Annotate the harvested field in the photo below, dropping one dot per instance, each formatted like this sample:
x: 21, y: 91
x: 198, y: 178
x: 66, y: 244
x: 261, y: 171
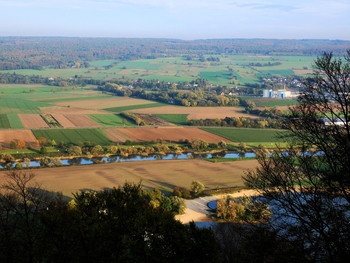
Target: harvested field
x: 63, y: 120
x: 6, y: 136
x: 173, y: 134
x: 68, y: 111
x: 104, y: 103
x: 198, y: 112
x: 82, y: 121
x: 153, y: 174
x: 116, y: 135
x: 32, y: 121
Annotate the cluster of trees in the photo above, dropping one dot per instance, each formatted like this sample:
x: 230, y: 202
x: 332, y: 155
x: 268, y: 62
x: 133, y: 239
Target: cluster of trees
x: 196, y: 189
x: 268, y: 64
x: 189, y: 96
x: 122, y: 224
x: 239, y: 122
x: 87, y: 148
x: 244, y: 209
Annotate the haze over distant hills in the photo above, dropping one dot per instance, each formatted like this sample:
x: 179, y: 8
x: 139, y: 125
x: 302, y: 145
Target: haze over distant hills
x: 35, y: 52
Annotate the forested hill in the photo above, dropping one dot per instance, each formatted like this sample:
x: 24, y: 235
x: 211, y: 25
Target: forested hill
x: 61, y: 52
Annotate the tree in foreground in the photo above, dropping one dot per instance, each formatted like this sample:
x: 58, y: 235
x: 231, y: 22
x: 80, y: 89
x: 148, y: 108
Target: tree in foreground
x: 309, y: 187
x: 116, y: 225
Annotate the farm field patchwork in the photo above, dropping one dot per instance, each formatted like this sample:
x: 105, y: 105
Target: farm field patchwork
x: 241, y: 69
x: 246, y: 135
x: 196, y: 113
x: 73, y: 136
x: 170, y: 134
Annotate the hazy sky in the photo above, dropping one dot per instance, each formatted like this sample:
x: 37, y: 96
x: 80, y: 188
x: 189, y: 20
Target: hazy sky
x: 184, y: 19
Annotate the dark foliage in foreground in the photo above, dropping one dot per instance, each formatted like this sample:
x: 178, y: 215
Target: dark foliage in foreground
x: 116, y: 225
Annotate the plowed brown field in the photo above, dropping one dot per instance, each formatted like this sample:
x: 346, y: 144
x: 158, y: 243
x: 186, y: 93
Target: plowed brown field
x: 6, y: 136
x: 104, y: 103
x: 32, y: 121
x: 173, y: 134
x: 116, y: 135
x: 63, y: 120
x: 82, y: 121
x: 196, y: 113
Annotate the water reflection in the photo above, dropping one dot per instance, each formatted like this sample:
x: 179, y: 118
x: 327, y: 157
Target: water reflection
x: 133, y: 158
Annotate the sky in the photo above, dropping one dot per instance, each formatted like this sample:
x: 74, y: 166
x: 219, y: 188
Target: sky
x: 180, y: 19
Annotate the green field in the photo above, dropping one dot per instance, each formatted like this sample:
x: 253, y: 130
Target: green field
x: 277, y: 103
x: 78, y: 98
x: 16, y: 105
x: 135, y: 107
x: 14, y: 121
x: 246, y: 135
x: 22, y: 89
x: 282, y: 72
x: 102, y: 63
x: 4, y: 121
x: 73, y: 136
x: 178, y: 119
x: 110, y: 120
